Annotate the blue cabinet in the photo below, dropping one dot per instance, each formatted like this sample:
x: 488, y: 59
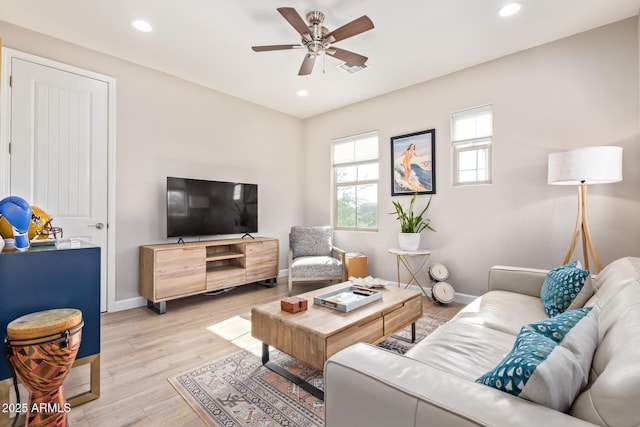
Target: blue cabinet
x: 44, y: 278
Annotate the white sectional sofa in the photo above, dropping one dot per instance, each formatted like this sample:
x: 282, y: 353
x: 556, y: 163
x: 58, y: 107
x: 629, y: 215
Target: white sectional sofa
x: 434, y: 384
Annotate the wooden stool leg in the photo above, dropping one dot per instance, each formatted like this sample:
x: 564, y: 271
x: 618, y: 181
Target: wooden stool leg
x: 5, y: 394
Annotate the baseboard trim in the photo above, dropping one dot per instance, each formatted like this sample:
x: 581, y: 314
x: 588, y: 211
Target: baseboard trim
x: 127, y: 304
x: 461, y: 298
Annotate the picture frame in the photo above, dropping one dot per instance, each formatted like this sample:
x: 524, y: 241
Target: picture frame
x: 413, y: 165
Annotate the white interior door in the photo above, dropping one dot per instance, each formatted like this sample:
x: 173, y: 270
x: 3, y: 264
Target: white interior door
x: 59, y: 143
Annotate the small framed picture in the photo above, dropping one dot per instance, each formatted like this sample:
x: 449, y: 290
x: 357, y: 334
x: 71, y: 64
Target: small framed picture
x: 413, y: 163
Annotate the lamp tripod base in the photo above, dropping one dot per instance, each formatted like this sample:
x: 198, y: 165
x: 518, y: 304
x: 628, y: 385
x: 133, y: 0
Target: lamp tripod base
x: 582, y: 228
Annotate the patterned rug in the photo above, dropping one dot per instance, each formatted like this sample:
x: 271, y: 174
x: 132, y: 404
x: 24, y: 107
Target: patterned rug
x: 238, y: 391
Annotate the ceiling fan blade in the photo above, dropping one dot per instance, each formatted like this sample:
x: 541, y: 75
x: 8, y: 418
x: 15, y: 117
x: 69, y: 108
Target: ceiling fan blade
x: 275, y: 47
x: 351, y: 29
x: 347, y: 56
x: 307, y: 65
x: 295, y: 20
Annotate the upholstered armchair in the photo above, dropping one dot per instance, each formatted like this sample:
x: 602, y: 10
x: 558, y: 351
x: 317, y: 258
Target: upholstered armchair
x: 312, y: 256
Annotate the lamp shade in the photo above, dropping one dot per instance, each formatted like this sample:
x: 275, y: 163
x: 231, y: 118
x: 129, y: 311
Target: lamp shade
x: 592, y: 165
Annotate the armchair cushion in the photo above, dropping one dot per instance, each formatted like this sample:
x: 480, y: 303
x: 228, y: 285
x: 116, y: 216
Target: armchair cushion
x: 311, y: 241
x: 316, y: 266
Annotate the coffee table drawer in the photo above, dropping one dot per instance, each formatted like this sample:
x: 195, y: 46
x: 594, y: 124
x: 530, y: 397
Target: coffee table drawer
x: 407, y: 313
x: 368, y: 332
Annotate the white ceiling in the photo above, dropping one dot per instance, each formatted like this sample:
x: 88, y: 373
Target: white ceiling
x: 209, y: 41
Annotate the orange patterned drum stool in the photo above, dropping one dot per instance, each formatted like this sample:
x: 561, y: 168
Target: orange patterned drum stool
x: 42, y: 347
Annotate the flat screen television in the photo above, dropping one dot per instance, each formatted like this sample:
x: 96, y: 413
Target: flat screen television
x: 198, y: 207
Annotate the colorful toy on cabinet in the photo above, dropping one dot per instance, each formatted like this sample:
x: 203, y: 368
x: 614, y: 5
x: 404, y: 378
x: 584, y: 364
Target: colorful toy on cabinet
x: 17, y: 213
x: 40, y: 225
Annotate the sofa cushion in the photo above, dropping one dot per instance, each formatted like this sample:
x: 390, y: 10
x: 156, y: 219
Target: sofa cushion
x: 464, y: 349
x: 564, y: 285
x: 612, y: 395
x: 549, y: 362
x: 503, y: 311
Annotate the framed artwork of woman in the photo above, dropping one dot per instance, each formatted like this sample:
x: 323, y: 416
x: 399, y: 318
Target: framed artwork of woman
x: 413, y: 168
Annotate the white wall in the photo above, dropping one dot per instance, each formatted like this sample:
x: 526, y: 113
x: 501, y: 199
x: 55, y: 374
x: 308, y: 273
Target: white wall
x: 167, y: 126
x: 576, y: 92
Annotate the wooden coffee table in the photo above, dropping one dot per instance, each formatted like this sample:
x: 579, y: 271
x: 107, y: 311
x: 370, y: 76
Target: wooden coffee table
x: 315, y: 334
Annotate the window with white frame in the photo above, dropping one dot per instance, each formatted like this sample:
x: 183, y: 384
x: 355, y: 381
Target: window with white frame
x: 471, y: 137
x: 355, y: 182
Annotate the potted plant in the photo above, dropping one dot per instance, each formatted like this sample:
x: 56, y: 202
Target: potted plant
x: 411, y: 225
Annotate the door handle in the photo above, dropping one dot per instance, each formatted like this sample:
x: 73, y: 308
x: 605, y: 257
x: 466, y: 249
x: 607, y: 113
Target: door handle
x: 97, y: 225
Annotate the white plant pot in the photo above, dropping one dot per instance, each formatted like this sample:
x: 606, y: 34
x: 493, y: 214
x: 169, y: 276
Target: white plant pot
x: 409, y: 241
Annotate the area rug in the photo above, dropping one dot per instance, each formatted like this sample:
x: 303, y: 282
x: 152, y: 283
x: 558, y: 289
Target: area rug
x: 238, y: 391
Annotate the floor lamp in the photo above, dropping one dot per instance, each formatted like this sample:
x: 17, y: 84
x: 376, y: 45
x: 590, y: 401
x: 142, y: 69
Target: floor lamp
x: 582, y: 167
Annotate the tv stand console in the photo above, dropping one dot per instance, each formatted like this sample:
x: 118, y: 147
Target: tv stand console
x: 176, y: 270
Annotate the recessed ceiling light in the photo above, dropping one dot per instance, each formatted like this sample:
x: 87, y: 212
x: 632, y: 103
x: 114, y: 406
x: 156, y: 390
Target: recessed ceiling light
x: 141, y: 25
x: 302, y: 92
x: 510, y: 9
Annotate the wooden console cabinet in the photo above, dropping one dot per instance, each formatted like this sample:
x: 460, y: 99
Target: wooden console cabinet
x: 170, y: 271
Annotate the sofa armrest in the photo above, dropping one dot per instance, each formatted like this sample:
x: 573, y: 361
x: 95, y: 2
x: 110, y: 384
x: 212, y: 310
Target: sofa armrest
x: 526, y: 281
x: 368, y: 386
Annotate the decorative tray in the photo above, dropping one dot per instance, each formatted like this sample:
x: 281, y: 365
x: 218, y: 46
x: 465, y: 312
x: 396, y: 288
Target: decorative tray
x: 347, y: 299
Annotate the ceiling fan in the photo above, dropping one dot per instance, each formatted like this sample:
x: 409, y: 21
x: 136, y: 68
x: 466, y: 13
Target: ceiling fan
x: 318, y: 40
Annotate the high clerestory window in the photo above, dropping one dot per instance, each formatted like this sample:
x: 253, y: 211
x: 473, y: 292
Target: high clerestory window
x: 355, y: 182
x: 471, y: 139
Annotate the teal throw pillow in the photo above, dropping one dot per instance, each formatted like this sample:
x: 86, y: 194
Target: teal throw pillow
x: 557, y: 328
x: 565, y: 287
x: 550, y: 361
x: 513, y: 372
x: 575, y: 330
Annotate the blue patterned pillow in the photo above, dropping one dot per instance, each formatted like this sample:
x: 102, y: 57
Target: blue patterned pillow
x: 563, y: 286
x: 550, y: 360
x: 513, y: 372
x: 575, y: 330
x: 557, y: 328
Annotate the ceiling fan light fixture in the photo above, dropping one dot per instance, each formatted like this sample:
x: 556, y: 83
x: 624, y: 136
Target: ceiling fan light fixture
x: 510, y: 9
x: 142, y: 26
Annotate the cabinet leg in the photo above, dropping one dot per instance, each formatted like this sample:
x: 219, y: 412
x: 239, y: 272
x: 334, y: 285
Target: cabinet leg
x: 158, y: 307
x: 269, y: 283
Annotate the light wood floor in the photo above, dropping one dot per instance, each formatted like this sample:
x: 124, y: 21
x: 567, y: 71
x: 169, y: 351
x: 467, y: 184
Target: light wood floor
x: 141, y: 349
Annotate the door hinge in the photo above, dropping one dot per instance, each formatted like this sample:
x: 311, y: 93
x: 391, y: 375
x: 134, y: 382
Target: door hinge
x: 10, y: 81
x: 9, y: 148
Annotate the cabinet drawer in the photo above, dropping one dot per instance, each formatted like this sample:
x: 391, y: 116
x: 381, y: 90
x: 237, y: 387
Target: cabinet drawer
x: 179, y: 271
x: 256, y: 247
x: 225, y: 277
x: 261, y: 260
x: 368, y: 332
x: 397, y: 319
